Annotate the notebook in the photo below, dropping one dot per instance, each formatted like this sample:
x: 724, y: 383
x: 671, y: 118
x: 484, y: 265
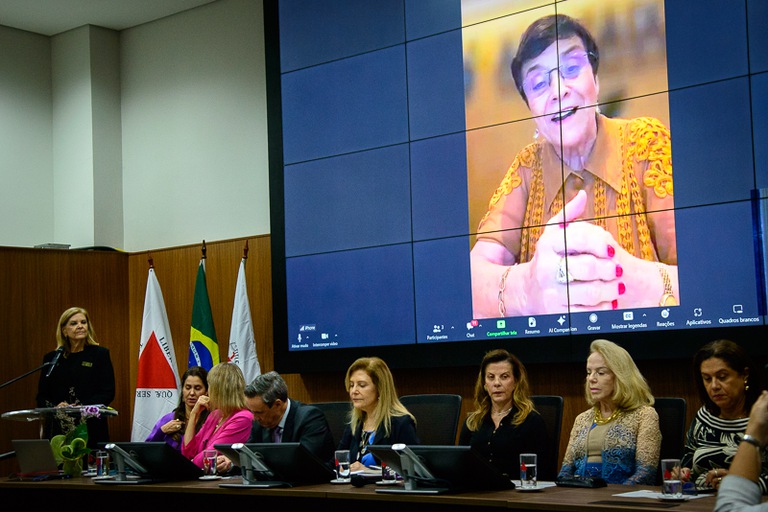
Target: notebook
x: 35, y: 457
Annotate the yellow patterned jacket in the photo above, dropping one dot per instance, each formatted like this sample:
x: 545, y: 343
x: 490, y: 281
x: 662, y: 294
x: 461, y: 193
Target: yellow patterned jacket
x: 628, y: 178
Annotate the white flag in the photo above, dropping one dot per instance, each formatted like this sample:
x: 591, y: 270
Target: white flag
x: 242, y: 345
x: 157, y: 382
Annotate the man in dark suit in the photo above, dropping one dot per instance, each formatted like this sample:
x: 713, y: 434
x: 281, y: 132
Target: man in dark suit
x: 278, y: 419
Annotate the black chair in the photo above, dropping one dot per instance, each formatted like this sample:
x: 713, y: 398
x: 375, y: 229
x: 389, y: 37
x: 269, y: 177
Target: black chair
x: 437, y: 417
x: 672, y: 411
x: 337, y: 414
x: 551, y: 409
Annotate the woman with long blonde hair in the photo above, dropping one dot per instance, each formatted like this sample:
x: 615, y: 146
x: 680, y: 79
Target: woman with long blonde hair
x: 377, y: 416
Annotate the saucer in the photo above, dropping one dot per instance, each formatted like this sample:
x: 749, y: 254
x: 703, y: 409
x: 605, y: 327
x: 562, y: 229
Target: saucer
x: 386, y: 482
x: 529, y: 489
x: 341, y: 481
x: 210, y: 477
x: 673, y: 498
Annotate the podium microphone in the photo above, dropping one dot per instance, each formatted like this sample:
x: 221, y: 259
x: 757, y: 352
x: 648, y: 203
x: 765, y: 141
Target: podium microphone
x: 55, y: 360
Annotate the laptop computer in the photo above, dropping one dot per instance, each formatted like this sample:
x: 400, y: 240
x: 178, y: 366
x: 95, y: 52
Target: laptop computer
x: 276, y: 465
x: 35, y: 457
x: 149, y: 462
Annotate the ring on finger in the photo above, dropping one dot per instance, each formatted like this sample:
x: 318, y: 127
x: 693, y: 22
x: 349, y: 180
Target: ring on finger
x: 563, y: 276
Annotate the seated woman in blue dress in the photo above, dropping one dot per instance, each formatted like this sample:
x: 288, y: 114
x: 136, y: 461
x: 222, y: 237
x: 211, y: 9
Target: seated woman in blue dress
x: 618, y: 438
x: 377, y: 416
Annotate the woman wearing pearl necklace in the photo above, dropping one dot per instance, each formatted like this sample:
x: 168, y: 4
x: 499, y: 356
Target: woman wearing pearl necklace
x: 618, y: 437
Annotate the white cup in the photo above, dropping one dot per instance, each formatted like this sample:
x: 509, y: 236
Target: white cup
x: 528, y: 470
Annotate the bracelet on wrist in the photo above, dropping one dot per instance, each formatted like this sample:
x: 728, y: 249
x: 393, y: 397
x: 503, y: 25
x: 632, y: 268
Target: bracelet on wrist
x: 502, y: 285
x: 746, y: 438
x: 667, y: 297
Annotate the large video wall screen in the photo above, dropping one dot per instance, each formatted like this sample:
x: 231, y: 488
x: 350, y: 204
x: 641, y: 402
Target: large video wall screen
x: 447, y: 175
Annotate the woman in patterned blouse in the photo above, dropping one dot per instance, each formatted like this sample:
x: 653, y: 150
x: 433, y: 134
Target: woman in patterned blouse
x: 618, y: 438
x: 721, y: 372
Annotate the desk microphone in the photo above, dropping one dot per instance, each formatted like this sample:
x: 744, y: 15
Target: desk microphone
x: 55, y: 360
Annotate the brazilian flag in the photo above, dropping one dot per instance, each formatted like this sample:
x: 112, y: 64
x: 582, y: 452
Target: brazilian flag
x: 203, y: 347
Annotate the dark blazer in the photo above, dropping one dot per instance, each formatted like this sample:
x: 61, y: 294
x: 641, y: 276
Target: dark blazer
x: 305, y: 424
x: 84, y: 378
x: 403, y: 431
x: 502, y: 446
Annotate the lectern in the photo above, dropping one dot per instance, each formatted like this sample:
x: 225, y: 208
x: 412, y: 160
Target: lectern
x: 41, y: 413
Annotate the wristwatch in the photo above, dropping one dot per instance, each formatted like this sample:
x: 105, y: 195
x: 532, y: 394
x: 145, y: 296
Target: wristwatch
x: 667, y: 298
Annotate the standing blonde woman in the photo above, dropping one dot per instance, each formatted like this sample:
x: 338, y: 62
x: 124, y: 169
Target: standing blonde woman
x: 229, y: 420
x: 377, y: 416
x: 82, y: 375
x: 618, y: 438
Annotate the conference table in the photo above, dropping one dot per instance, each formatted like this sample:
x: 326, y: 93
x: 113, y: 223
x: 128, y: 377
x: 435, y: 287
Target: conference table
x: 199, y: 495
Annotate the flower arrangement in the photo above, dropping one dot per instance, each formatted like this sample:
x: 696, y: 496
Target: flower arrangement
x: 70, y: 448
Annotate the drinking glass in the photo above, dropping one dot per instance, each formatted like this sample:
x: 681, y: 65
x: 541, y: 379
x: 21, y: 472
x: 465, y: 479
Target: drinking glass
x: 671, y: 485
x: 342, y: 465
x: 209, y: 462
x: 102, y: 463
x: 528, y: 470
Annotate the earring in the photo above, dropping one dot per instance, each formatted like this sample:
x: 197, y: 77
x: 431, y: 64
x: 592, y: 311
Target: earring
x: 536, y: 134
x: 746, y: 386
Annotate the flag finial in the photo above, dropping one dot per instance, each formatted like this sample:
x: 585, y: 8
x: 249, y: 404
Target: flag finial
x: 151, y: 262
x: 204, y: 249
x: 245, y: 251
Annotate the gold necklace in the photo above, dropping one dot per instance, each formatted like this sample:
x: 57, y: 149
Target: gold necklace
x: 602, y: 421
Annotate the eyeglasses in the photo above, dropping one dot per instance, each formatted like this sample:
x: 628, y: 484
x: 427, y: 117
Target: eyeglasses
x: 537, y: 82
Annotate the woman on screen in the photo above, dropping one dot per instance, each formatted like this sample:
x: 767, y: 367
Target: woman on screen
x: 170, y: 427
x: 727, y: 390
x: 377, y: 416
x: 618, y: 438
x: 613, y: 174
x: 504, y: 422
x: 229, y: 420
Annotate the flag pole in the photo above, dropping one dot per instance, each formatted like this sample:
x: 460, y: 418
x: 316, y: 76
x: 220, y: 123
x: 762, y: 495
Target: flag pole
x: 151, y: 262
x: 245, y: 251
x: 204, y: 249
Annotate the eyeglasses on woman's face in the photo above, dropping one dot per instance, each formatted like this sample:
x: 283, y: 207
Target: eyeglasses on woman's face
x: 538, y: 80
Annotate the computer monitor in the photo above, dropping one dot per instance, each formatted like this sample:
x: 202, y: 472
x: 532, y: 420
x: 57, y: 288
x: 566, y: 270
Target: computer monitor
x: 149, y: 462
x: 276, y: 464
x: 440, y: 469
